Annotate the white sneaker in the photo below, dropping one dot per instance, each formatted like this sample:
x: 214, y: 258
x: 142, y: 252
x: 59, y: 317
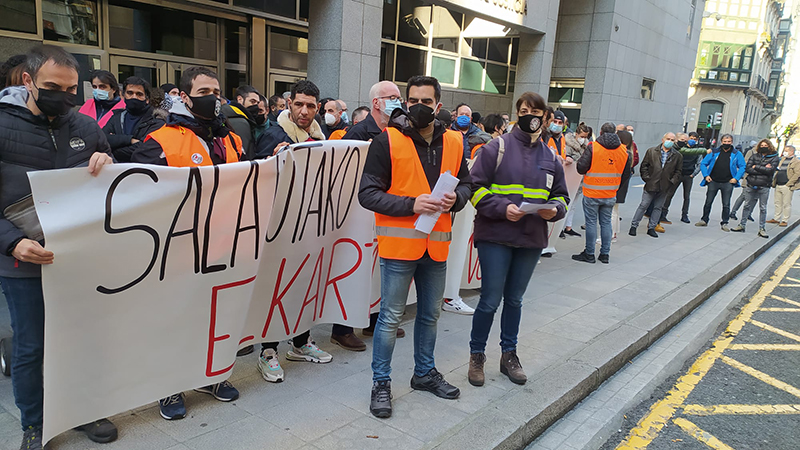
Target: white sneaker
x: 309, y: 352
x: 457, y: 306
x: 269, y: 366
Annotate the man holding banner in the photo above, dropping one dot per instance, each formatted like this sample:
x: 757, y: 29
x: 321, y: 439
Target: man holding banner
x: 38, y: 131
x: 402, y: 168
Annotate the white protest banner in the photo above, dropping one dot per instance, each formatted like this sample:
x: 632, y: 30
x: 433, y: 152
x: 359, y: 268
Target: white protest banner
x: 161, y: 273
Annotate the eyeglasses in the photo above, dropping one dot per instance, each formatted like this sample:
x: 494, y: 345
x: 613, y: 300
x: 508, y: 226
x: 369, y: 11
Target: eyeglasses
x: 391, y: 97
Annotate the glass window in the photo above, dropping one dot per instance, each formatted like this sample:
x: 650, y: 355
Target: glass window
x: 74, y: 22
x: 285, y: 8
x: 723, y: 76
x: 512, y: 79
x: 387, y: 62
x: 412, y: 62
x: 734, y: 76
x: 514, y: 51
x: 235, y: 42
x: 18, y: 15
x: 443, y: 69
x: 161, y: 30
x: 389, y: 19
x: 736, y: 61
x: 647, y: 89
x: 446, y: 29
x: 495, y: 82
x: 471, y: 75
x: 88, y: 64
x: 478, y: 47
x: 498, y: 50
x: 414, y: 23
x: 234, y: 79
x: 288, y: 49
x: 304, y: 9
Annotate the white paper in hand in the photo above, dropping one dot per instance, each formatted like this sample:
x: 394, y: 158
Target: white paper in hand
x: 530, y: 208
x: 447, y: 183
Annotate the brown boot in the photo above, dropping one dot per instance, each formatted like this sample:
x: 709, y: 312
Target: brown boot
x: 475, y: 374
x: 349, y: 341
x: 510, y: 366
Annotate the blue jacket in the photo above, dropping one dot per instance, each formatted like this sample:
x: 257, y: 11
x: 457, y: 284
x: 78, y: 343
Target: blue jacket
x: 737, y: 165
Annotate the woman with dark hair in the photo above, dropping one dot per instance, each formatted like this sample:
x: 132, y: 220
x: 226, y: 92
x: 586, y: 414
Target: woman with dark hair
x: 105, y: 98
x: 11, y: 71
x: 509, y: 240
x: 576, y: 143
x: 760, y: 170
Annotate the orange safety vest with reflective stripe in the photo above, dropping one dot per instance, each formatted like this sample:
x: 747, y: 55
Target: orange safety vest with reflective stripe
x: 604, y: 176
x: 562, y: 152
x: 183, y: 148
x: 397, y: 238
x: 338, y: 134
x: 475, y: 150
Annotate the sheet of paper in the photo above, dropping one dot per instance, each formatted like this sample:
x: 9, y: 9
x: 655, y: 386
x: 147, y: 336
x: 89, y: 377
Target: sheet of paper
x: 446, y: 183
x: 530, y: 208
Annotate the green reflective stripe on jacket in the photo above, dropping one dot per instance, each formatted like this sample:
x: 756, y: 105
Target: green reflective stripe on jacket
x: 479, y: 194
x: 560, y: 199
x: 519, y: 190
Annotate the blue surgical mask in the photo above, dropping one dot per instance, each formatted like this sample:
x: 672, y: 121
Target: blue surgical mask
x: 692, y: 142
x: 391, y: 105
x: 100, y: 94
x: 556, y: 128
x: 463, y: 121
x: 668, y: 144
x: 344, y: 117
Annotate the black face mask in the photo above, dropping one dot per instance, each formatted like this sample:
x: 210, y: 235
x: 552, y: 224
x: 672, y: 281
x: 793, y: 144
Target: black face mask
x: 136, y: 107
x: 261, y: 119
x: 530, y: 123
x: 681, y: 144
x: 421, y: 115
x: 54, y: 103
x: 253, y: 111
x: 727, y: 147
x: 206, y: 107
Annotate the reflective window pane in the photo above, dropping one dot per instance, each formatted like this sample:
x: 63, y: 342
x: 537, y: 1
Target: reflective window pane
x: 87, y: 64
x: 387, y: 62
x: 512, y: 78
x: 73, y: 21
x: 498, y: 50
x: 495, y: 82
x: 474, y: 47
x: 471, y: 75
x: 443, y: 69
x: 233, y: 79
x: 415, y: 21
x: 286, y: 8
x: 235, y: 42
x: 18, y: 15
x: 288, y: 50
x: 389, y: 19
x: 410, y: 62
x: 304, y: 7
x: 514, y: 51
x: 161, y: 30
x: 446, y: 28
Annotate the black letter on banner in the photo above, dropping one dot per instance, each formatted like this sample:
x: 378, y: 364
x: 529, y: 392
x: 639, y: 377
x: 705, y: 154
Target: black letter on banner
x: 303, y: 195
x: 356, y: 152
x: 194, y: 174
x: 319, y: 180
x: 288, y: 199
x: 329, y: 198
x: 110, y: 230
x: 254, y: 175
x: 206, y: 269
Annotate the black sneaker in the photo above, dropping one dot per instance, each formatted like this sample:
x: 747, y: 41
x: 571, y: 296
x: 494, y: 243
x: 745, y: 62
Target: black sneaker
x: 632, y: 231
x: 547, y: 255
x: 562, y: 235
x: 584, y: 257
x: 603, y: 258
x: 245, y: 351
x: 101, y: 431
x: 224, y: 392
x: 750, y: 218
x: 172, y: 407
x: 732, y: 215
x: 685, y: 219
x: 32, y: 439
x: 652, y: 232
x: 381, y: 403
x: 572, y: 232
x: 435, y: 383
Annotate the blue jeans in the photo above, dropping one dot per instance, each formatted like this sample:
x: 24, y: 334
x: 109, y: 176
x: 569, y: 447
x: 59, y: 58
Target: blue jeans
x: 755, y: 195
x: 396, y: 276
x: 594, y: 208
x: 26, y: 305
x: 506, y: 274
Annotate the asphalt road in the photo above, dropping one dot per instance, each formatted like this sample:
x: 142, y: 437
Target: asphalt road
x: 743, y: 390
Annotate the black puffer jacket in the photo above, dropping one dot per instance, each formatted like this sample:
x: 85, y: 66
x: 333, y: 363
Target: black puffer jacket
x: 120, y: 142
x: 758, y: 174
x: 29, y: 143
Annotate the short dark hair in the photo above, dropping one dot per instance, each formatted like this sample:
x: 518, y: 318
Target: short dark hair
x: 460, y: 105
x: 40, y: 54
x: 421, y: 80
x: 725, y: 136
x: 476, y: 117
x: 493, y: 121
x: 608, y: 127
x: 166, y: 87
x: 245, y: 90
x: 304, y: 87
x: 107, y: 78
x: 273, y: 101
x: 444, y: 117
x: 693, y: 134
x: 361, y: 109
x: 191, y: 73
x: 533, y: 100
x: 137, y: 81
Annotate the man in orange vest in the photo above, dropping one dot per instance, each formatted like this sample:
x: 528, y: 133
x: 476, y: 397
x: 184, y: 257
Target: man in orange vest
x: 403, y: 165
x: 195, y: 135
x: 605, y: 165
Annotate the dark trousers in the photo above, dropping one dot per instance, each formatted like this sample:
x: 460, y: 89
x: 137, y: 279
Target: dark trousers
x: 667, y: 200
x: 341, y: 330
x: 298, y: 341
x: 726, y: 190
x: 26, y: 305
x: 687, y: 182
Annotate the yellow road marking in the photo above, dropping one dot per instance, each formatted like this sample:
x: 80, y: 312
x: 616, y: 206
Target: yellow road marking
x: 789, y: 285
x: 778, y: 331
x: 786, y: 300
x: 703, y: 436
x: 780, y: 309
x: 774, y: 382
x: 712, y: 410
x: 766, y: 347
x: 795, y: 280
x: 662, y: 411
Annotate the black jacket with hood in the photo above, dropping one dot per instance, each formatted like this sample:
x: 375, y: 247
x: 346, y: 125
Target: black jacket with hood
x: 377, y: 176
x: 758, y: 174
x: 243, y: 124
x: 120, y: 142
x: 29, y: 143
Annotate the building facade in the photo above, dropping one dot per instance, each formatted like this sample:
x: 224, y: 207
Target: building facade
x: 598, y: 60
x: 737, y: 86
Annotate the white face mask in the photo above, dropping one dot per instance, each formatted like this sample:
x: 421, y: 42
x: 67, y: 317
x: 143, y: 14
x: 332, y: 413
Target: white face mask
x: 631, y: 132
x: 583, y: 141
x: 330, y: 119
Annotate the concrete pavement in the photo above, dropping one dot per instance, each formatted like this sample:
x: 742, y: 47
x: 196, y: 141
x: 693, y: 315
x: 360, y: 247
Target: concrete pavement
x: 580, y: 324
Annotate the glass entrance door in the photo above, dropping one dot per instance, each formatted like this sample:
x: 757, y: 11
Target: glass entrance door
x: 278, y: 84
x: 155, y: 72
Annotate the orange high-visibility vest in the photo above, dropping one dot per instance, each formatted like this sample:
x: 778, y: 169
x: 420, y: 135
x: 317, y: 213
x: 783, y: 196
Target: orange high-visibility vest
x: 89, y: 109
x: 183, y: 148
x: 475, y: 150
x: 560, y: 151
x: 605, y: 175
x: 397, y: 238
x: 338, y: 134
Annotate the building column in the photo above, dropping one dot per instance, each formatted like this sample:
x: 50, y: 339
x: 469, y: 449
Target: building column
x: 344, y: 48
x: 535, y: 58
